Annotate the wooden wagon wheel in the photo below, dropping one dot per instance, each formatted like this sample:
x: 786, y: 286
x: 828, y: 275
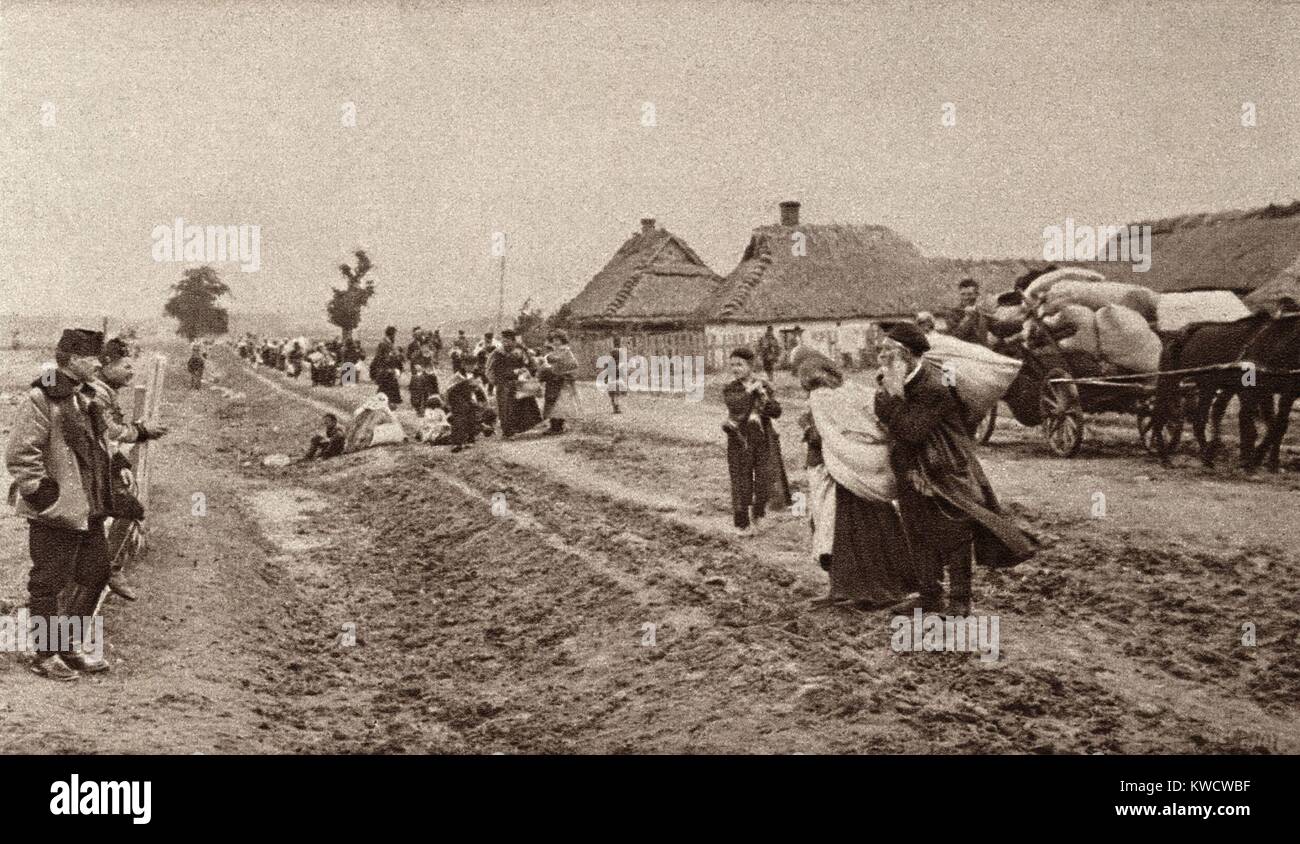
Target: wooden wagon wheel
x: 984, y: 430
x: 1173, y: 426
x: 1062, y: 415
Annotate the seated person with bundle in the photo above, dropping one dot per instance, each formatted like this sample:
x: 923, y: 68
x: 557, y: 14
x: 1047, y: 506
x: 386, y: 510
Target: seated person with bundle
x: 328, y: 443
x: 467, y: 409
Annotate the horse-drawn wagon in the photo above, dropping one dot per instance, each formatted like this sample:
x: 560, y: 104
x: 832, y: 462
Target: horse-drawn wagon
x: 1057, y: 387
x: 1201, y: 368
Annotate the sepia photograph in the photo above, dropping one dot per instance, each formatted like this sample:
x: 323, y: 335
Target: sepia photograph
x: 872, y: 380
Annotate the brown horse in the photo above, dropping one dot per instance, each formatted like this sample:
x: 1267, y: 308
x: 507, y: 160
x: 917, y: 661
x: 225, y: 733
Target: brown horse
x: 1277, y: 353
x: 1263, y: 346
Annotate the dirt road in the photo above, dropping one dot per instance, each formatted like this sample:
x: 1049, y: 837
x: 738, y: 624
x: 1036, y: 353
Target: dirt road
x: 380, y: 603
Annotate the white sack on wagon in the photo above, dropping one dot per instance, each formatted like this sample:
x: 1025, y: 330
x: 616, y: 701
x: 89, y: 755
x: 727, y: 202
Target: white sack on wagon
x: 1075, y: 327
x: 1008, y: 320
x: 981, y: 376
x: 1097, y: 294
x: 373, y: 423
x: 1039, y: 287
x: 854, y: 445
x: 1177, y: 310
x: 1125, y: 339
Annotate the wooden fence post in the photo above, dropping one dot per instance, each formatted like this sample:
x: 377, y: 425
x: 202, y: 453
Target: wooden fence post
x: 148, y: 399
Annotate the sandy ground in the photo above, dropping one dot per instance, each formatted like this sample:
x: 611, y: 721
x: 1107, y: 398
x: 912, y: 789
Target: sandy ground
x: 379, y: 603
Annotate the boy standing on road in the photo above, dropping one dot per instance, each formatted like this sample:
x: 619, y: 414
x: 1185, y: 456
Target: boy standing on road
x: 753, y: 450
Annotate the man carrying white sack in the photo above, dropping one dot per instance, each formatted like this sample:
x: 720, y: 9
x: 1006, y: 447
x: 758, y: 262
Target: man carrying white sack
x: 948, y: 506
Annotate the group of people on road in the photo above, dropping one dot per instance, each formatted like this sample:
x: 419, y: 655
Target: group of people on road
x: 494, y: 382
x: 897, y: 497
x: 328, y: 362
x: 515, y: 375
x: 73, y: 482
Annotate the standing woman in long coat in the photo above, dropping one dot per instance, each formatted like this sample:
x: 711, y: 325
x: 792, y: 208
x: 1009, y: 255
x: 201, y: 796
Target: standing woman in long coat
x: 858, y: 537
x: 561, y: 380
x: 504, y: 366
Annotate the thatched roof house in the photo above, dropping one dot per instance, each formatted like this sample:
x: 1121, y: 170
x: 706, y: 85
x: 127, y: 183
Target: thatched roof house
x: 1231, y: 250
x: 654, y: 281
x: 795, y: 271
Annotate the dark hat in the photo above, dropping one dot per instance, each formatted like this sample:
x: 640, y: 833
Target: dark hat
x: 81, y: 342
x: 507, y: 333
x: 115, y: 349
x: 909, y: 337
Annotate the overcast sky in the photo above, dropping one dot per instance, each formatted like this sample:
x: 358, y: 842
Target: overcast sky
x: 528, y: 119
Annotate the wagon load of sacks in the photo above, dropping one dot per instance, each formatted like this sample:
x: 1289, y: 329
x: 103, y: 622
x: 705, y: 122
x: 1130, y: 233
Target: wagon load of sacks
x: 1109, y: 320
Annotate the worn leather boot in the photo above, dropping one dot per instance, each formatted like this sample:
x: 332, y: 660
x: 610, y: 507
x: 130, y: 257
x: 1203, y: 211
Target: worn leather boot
x: 53, y: 667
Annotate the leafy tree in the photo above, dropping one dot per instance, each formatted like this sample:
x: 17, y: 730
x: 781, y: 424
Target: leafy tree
x: 561, y: 318
x: 344, y: 308
x: 194, y: 304
x: 530, y: 326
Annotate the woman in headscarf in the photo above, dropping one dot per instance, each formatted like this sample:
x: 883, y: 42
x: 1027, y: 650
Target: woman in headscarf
x: 858, y: 537
x: 560, y: 378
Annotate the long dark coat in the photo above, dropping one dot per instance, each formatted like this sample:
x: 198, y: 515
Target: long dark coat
x: 514, y: 413
x: 383, y: 371
x: 934, y: 459
x: 465, y: 399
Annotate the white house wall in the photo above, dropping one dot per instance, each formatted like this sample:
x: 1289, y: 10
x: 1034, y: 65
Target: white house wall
x: 830, y: 337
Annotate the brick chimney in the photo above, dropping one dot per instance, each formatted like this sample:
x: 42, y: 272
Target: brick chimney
x: 647, y: 225
x: 790, y: 213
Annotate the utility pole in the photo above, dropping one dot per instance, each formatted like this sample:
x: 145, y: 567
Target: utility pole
x: 501, y: 295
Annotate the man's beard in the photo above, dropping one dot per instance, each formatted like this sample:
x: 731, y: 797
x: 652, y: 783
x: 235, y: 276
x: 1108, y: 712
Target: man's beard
x: 901, y: 367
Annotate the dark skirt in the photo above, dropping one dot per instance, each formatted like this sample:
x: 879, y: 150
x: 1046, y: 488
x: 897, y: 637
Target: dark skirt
x: 871, y: 561
x: 515, y: 414
x: 386, y: 381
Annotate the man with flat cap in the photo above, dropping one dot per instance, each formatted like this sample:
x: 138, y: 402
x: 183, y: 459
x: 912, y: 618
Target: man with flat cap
x: 59, y: 458
x: 948, y: 506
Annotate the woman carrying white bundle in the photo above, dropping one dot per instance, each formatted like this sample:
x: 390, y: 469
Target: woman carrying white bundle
x: 858, y: 536
x: 559, y: 375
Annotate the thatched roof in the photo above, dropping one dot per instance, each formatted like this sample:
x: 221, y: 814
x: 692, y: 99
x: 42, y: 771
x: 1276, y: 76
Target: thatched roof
x: 1287, y: 284
x: 854, y: 271
x: 995, y: 275
x: 653, y: 277
x: 1231, y: 250
x: 845, y: 271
